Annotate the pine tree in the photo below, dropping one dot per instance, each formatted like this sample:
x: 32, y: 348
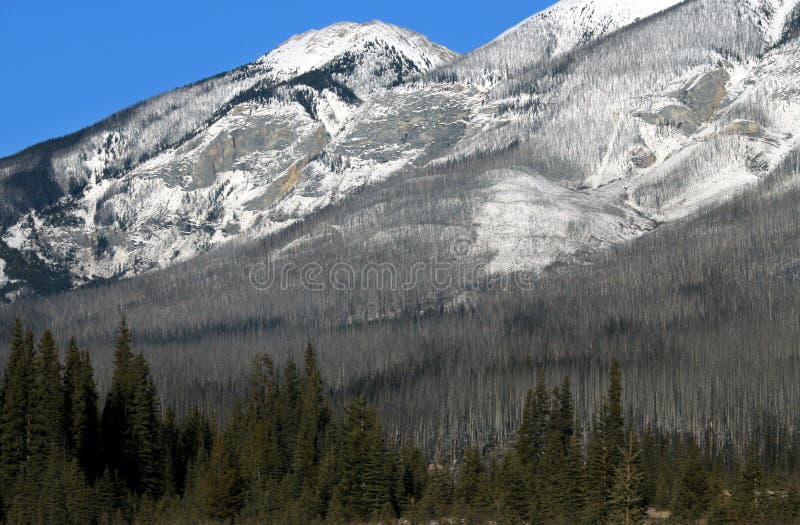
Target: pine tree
x: 747, y: 487
x: 80, y: 410
x: 533, y: 430
x: 692, y: 497
x: 563, y: 413
x: 47, y: 404
x: 314, y: 419
x: 606, y: 446
x: 145, y: 442
x: 437, y: 498
x: 471, y: 493
x: 515, y: 498
x: 364, y: 487
x: 173, y: 455
x: 626, y: 502
x: 115, y: 427
x: 14, y: 423
x: 220, y: 486
x: 613, y: 420
x: 131, y: 424
x: 288, y: 412
x: 55, y: 493
x: 412, y: 476
x: 196, y: 440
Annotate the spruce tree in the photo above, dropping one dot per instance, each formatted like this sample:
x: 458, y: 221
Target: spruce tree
x: 626, y: 500
x: 533, y: 429
x: 14, y: 422
x: 692, y: 496
x: 312, y: 428
x: 173, y: 455
x: 613, y: 420
x: 47, y: 403
x: 514, y: 495
x: 220, y: 487
x: 115, y: 427
x: 412, y: 476
x: 471, y: 493
x: 748, y: 487
x: 365, y: 483
x: 288, y: 412
x: 145, y: 445
x: 437, y: 498
x: 80, y: 410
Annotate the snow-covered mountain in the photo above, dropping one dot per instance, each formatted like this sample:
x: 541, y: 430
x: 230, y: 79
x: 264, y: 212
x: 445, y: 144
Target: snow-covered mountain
x: 586, y: 125
x: 565, y: 26
x: 185, y: 171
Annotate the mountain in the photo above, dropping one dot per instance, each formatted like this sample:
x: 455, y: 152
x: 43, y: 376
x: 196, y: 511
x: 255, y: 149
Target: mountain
x: 605, y: 179
x: 553, y: 32
x: 188, y: 170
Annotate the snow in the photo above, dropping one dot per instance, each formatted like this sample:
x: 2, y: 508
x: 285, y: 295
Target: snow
x: 315, y: 48
x: 3, y: 278
x: 528, y: 222
x: 555, y: 31
x: 265, y: 165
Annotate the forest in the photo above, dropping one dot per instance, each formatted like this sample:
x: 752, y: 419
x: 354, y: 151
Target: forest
x: 286, y: 454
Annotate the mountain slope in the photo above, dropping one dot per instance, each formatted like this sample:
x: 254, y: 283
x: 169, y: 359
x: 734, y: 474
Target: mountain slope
x: 553, y: 32
x: 619, y: 123
x: 181, y: 173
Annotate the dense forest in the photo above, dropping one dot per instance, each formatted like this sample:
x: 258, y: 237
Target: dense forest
x: 287, y: 455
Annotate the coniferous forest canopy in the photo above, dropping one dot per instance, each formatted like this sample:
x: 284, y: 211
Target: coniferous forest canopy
x: 286, y: 455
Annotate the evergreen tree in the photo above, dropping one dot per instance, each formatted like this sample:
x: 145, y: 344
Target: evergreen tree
x: 288, y: 416
x: 220, y: 486
x: 145, y: 449
x: 748, y: 487
x: 471, y: 493
x: 115, y: 427
x: 47, y: 406
x: 131, y: 424
x: 437, y: 498
x: 606, y: 446
x: 80, y: 410
x: 173, y: 455
x: 692, y: 497
x: 56, y: 493
x: 196, y: 439
x: 312, y: 428
x: 533, y: 429
x: 412, y: 476
x: 16, y: 402
x: 515, y: 498
x: 563, y: 414
x: 365, y: 483
x: 626, y: 500
x: 613, y: 420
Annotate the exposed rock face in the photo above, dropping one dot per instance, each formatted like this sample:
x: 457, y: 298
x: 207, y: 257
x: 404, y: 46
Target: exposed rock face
x: 745, y: 127
x: 697, y: 103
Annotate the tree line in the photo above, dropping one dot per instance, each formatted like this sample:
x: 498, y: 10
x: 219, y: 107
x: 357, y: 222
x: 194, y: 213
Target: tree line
x: 286, y: 456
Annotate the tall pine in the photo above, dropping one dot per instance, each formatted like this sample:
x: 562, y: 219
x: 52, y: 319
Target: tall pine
x: 81, y: 421
x: 47, y: 403
x: 16, y: 400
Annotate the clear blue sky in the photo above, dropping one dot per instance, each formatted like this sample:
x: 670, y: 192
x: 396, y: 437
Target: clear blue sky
x: 67, y: 64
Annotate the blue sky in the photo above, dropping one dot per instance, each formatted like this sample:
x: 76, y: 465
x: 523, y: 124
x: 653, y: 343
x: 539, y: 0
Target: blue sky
x: 67, y: 64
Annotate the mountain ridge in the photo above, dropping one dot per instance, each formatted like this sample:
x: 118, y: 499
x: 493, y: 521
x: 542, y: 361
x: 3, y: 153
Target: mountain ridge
x: 333, y: 110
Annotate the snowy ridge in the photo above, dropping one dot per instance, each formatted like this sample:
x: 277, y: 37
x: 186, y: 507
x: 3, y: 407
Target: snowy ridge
x: 316, y: 48
x: 553, y: 32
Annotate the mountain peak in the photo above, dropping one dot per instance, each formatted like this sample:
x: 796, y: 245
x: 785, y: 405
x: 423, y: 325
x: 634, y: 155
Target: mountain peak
x: 316, y: 48
x: 557, y: 30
